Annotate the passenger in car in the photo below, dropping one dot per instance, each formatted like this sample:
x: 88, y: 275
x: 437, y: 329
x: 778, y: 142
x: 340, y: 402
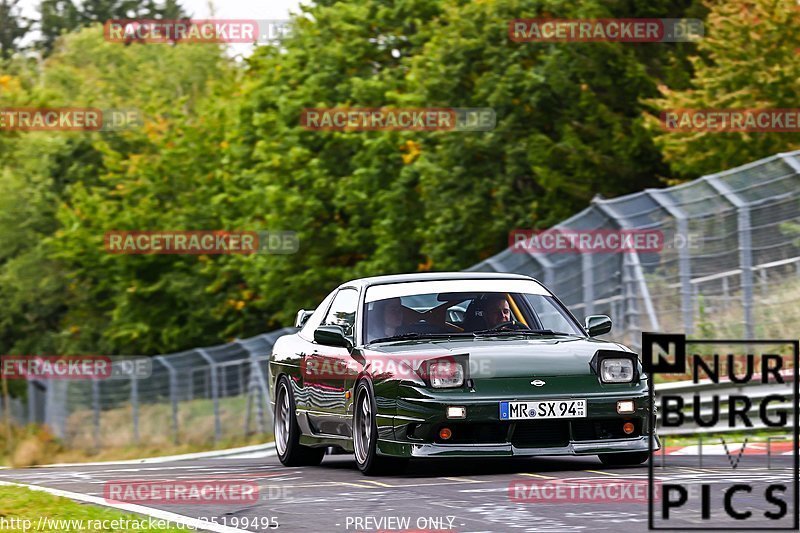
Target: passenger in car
x: 386, y: 318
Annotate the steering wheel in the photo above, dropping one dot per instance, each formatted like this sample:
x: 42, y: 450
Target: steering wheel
x: 509, y: 325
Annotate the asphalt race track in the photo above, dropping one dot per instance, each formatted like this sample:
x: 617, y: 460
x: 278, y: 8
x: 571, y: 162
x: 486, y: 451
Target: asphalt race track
x: 459, y: 495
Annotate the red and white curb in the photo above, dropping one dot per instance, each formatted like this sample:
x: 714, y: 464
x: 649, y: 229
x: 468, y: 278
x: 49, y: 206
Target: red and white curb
x: 750, y: 448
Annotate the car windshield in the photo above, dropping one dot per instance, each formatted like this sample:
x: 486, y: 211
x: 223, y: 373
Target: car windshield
x: 400, y: 312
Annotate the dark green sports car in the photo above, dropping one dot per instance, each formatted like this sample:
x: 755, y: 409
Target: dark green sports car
x: 454, y: 365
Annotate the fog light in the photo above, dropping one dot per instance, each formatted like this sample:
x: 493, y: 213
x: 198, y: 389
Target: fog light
x: 456, y: 412
x: 625, y: 406
x: 628, y: 428
x: 445, y: 433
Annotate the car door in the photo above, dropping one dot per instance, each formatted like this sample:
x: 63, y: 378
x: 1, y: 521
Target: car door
x: 326, y: 385
x: 302, y: 355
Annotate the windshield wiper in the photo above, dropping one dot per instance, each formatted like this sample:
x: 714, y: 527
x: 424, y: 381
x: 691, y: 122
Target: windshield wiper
x: 521, y: 331
x: 415, y: 335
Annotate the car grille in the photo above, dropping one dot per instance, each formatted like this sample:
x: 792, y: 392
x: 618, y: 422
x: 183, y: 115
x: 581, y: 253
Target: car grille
x: 541, y: 434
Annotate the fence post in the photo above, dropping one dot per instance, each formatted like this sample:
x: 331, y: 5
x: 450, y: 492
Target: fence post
x: 56, y: 400
x: 31, y: 403
x: 588, y: 283
x: 248, y: 409
x: 96, y: 412
x: 254, y: 392
x: 135, y: 407
x: 745, y: 248
x: 630, y: 312
x: 258, y: 380
x: 173, y: 393
x: 214, y: 392
x: 726, y: 294
x: 547, y: 268
x: 684, y: 259
x: 636, y: 275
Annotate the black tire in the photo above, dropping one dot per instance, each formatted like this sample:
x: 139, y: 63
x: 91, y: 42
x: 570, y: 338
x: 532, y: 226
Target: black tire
x: 624, y: 458
x: 287, y: 431
x: 365, y: 436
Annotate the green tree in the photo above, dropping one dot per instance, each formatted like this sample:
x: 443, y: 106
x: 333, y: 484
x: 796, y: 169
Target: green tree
x: 13, y: 27
x: 569, y: 126
x: 748, y: 60
x: 62, y: 191
x: 60, y: 16
x: 222, y: 148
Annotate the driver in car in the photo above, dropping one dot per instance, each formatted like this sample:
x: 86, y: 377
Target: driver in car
x: 496, y: 310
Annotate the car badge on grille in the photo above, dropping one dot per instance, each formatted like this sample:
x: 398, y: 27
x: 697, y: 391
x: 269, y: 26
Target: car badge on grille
x: 537, y: 383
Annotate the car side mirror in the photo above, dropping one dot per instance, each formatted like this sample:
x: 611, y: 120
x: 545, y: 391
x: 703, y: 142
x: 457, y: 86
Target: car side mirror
x: 302, y: 317
x: 597, y: 325
x: 332, y: 336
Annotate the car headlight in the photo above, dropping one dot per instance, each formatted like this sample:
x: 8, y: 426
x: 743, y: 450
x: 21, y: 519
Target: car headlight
x: 446, y: 374
x: 616, y: 370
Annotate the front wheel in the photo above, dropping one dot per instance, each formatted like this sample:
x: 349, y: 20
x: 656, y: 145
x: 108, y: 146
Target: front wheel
x: 624, y: 459
x: 287, y: 431
x: 365, y: 436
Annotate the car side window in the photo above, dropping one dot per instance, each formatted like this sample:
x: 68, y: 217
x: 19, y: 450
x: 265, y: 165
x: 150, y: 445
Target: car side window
x: 315, y: 319
x: 343, y: 311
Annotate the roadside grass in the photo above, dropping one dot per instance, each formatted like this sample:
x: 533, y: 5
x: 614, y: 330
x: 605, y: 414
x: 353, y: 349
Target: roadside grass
x: 21, y: 505
x: 776, y: 314
x: 35, y: 445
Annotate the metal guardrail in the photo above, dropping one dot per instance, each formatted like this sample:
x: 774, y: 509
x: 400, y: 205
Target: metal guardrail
x: 753, y: 390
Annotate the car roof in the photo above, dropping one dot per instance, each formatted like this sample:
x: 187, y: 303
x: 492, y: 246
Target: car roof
x: 430, y: 276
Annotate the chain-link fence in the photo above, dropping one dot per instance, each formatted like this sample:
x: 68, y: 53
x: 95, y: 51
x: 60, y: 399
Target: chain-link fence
x: 730, y: 266
x: 196, y: 397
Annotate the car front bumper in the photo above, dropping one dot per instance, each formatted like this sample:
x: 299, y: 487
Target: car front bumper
x: 413, y: 430
x: 406, y: 449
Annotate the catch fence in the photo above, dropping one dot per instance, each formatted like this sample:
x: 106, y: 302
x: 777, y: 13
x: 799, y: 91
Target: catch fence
x: 730, y: 268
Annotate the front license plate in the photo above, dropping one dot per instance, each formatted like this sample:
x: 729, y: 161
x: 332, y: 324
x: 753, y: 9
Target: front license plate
x: 533, y: 410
